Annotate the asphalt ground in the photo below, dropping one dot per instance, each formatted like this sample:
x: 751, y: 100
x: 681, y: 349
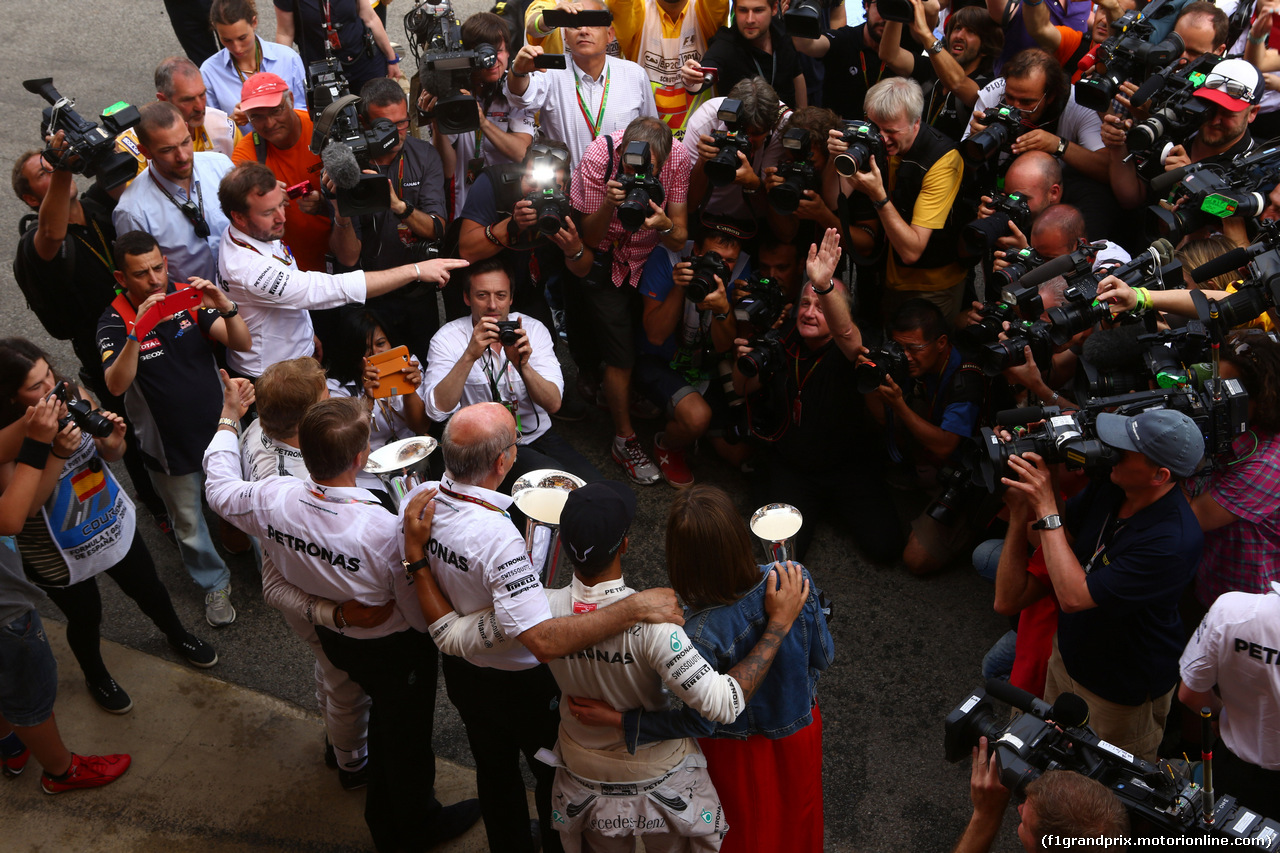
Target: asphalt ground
x: 907, y: 648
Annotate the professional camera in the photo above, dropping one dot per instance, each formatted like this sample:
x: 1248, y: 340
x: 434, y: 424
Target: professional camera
x: 797, y: 173
x: 345, y: 147
x: 1159, y: 802
x: 888, y: 362
x: 1202, y: 194
x: 767, y: 356
x: 1021, y: 262
x: 1173, y: 358
x: 1003, y: 125
x: 980, y: 235
x: 705, y: 268
x: 957, y: 496
x: 549, y: 202
x: 508, y: 332
x: 988, y: 329
x: 998, y: 355
x: 1127, y: 55
x: 1068, y: 437
x: 1174, y: 113
x: 1081, y: 310
x: 803, y: 19
x: 81, y: 413
x: 90, y: 149
x: 724, y: 165
x: 640, y: 186
x: 444, y: 68
x: 865, y: 144
x: 760, y: 304
x: 1258, y: 290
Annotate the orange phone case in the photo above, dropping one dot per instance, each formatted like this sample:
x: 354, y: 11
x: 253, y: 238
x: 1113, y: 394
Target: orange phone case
x: 390, y: 379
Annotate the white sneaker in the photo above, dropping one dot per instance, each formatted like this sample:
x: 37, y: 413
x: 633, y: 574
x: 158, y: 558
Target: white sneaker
x: 217, y: 608
x: 637, y: 465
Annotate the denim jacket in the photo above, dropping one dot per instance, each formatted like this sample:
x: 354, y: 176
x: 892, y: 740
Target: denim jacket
x: 725, y: 635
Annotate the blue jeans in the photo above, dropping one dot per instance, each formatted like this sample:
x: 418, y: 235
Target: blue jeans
x: 998, y: 662
x: 28, y: 672
x: 986, y: 558
x: 181, y: 496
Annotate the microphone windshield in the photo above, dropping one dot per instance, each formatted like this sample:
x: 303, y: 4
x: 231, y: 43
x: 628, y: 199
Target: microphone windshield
x: 340, y: 162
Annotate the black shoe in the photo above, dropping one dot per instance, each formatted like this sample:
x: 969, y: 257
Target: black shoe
x: 572, y: 409
x: 453, y: 821
x: 353, y: 780
x: 109, y: 695
x: 197, y: 652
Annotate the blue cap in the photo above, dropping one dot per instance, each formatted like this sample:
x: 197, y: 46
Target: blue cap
x: 1168, y: 438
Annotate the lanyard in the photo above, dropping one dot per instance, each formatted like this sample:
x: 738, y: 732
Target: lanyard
x: 451, y: 493
x: 773, y: 72
x: 194, y: 217
x: 287, y: 260
x: 800, y: 383
x: 486, y: 364
x: 1105, y: 536
x: 105, y: 254
x: 862, y: 67
x: 330, y: 499
x: 257, y: 60
x: 933, y: 113
x: 593, y: 126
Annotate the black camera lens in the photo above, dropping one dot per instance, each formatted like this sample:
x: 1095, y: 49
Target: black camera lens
x: 1095, y: 93
x: 508, y: 332
x: 722, y: 168
x: 980, y: 147
x: 634, y: 210
x: 856, y: 159
x: 998, y: 356
x: 980, y: 235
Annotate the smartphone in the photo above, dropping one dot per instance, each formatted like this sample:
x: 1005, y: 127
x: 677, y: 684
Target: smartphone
x: 390, y: 380
x: 585, y: 18
x: 298, y: 190
x: 174, y: 303
x: 550, y: 60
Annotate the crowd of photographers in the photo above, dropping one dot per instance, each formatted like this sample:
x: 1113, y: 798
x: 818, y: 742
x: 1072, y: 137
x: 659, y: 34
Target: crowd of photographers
x: 1021, y: 257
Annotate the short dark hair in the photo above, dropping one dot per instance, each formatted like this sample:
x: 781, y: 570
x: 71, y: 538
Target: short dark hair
x: 22, y: 186
x: 485, y: 28
x: 284, y: 392
x: 352, y: 333
x: 708, y: 548
x: 133, y: 243
x: 1065, y: 218
x: 380, y: 92
x: 1217, y: 17
x: 157, y: 115
x: 1057, y: 85
x: 653, y: 131
x: 978, y: 21
x: 1068, y: 805
x: 331, y: 435
x: 817, y: 121
x: 491, y: 264
x: 920, y: 314
x: 17, y: 357
x: 231, y: 11
x: 236, y: 186
x: 171, y: 67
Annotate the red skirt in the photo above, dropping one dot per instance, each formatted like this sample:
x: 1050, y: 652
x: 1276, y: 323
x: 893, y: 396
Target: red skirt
x: 771, y: 790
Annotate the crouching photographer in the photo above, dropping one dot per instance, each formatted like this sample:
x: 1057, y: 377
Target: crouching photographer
x: 821, y: 453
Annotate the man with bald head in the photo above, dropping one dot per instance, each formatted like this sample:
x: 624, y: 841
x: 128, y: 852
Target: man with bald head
x: 508, y: 700
x: 1037, y: 177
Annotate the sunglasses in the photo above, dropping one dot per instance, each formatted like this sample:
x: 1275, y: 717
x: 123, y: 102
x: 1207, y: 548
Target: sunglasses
x: 1234, y: 88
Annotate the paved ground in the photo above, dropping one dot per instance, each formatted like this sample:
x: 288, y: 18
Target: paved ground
x: 907, y: 648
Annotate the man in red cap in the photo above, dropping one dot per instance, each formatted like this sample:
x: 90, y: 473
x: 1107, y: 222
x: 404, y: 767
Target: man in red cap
x: 280, y: 141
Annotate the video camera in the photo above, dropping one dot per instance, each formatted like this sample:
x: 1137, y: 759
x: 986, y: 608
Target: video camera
x: 724, y: 165
x: 444, y: 67
x: 1081, y: 310
x: 980, y: 235
x: 1203, y: 194
x: 888, y: 362
x: 865, y: 144
x: 1258, y: 290
x: 345, y: 147
x: 548, y: 200
x: 1172, y: 357
x: 705, y: 269
x: 90, y: 148
x: 797, y: 173
x: 1174, y: 112
x: 803, y: 19
x: 1127, y: 55
x: 1047, y: 738
x: 1003, y: 124
x: 639, y: 187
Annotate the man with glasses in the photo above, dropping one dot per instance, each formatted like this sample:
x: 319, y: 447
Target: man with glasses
x: 174, y: 199
x: 1234, y: 90
x: 280, y: 141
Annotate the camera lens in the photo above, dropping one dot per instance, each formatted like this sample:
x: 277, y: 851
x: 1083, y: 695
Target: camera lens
x: 856, y: 159
x: 722, y: 168
x: 980, y: 235
x: 634, y: 210
x: 997, y: 356
x: 981, y: 146
x: 786, y: 197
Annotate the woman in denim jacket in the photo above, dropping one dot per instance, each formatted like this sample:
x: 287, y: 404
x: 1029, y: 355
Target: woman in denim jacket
x: 773, y: 752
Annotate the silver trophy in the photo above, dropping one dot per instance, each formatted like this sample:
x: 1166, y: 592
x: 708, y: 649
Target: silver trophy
x: 776, y: 526
x: 402, y: 464
x: 540, y: 495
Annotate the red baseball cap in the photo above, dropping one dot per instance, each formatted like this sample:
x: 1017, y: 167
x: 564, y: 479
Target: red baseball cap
x: 262, y: 90
x: 1233, y: 84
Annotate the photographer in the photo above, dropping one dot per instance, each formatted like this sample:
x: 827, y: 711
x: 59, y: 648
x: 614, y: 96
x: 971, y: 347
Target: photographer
x: 1035, y: 176
x: 754, y: 42
x: 685, y: 338
x: 759, y: 124
x: 916, y: 209
x: 962, y: 61
x: 365, y: 50
x: 576, y: 106
x: 1234, y: 89
x: 1073, y: 48
x: 243, y: 54
x: 608, y: 291
x: 505, y: 129
x: 1135, y: 548
x: 941, y: 408
x: 811, y: 216
x: 801, y: 404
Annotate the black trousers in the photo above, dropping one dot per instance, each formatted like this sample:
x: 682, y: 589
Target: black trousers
x: 399, y: 674
x: 507, y: 714
x: 81, y: 603
x: 1251, y: 785
x: 190, y: 20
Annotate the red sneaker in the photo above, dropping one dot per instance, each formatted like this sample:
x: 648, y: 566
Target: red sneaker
x: 672, y: 464
x: 87, y: 771
x: 13, y: 765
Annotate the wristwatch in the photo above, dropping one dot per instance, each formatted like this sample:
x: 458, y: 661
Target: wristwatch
x: 1049, y: 522
x: 410, y: 568
x: 407, y: 212
x: 227, y: 315
x: 936, y: 48
x: 881, y: 203
x: 1062, y: 148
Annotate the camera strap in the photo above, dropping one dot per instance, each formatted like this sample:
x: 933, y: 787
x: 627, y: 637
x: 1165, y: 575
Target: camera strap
x: 193, y: 212
x: 105, y: 254
x: 257, y: 62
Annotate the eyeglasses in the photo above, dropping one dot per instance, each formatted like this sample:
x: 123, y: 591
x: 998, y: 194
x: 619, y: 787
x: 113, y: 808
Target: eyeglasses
x: 402, y: 124
x: 263, y: 116
x: 502, y: 452
x: 1019, y: 106
x: 1232, y: 87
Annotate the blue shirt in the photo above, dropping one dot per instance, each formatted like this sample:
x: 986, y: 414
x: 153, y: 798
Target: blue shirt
x: 683, y: 347
x: 954, y: 402
x: 145, y: 207
x: 224, y: 83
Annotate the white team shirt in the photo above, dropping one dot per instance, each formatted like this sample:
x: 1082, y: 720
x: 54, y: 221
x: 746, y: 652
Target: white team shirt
x: 261, y: 456
x: 450, y: 342
x: 479, y: 562
x: 1237, y: 647
x: 274, y: 295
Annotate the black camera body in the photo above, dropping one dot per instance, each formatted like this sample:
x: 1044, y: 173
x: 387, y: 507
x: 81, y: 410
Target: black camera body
x: 797, y: 173
x: 760, y: 303
x: 337, y: 122
x: 980, y: 235
x: 865, y: 144
x: 1021, y: 262
x: 1205, y: 193
x: 1128, y: 54
x: 705, y: 268
x: 730, y: 142
x: 987, y: 330
x: 81, y: 413
x: 767, y: 356
x: 90, y: 148
x: 444, y: 67
x: 888, y: 362
x: 997, y: 356
x: 804, y: 18
x: 639, y: 187
x: 1003, y: 125
x: 508, y: 332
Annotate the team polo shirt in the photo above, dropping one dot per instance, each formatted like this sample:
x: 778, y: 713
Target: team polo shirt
x: 1237, y: 647
x: 176, y: 396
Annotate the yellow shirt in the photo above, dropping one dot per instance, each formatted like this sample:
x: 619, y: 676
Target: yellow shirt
x: 628, y: 21
x: 938, y: 193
